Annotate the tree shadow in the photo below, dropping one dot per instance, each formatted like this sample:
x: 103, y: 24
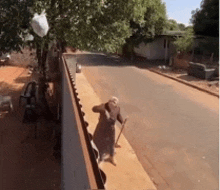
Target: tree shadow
x: 22, y: 79
x: 7, y: 89
x: 148, y: 64
x: 113, y: 60
x: 12, y: 92
x: 12, y: 64
x: 34, y: 154
x: 101, y: 59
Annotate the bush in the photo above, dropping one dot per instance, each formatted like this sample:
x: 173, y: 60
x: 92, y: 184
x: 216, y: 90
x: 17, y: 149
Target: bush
x: 184, y: 44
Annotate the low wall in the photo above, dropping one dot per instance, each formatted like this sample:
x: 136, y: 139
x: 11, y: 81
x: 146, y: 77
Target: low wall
x: 25, y: 58
x: 181, y: 62
x: 80, y: 168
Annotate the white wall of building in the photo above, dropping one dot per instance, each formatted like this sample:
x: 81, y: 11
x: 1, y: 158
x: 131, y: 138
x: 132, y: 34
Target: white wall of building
x: 155, y: 49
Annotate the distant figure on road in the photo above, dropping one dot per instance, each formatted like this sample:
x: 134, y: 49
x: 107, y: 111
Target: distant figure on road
x: 104, y: 135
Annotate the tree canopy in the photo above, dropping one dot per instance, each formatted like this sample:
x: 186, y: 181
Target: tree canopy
x: 206, y: 19
x: 14, y: 20
x: 152, y: 25
x: 181, y: 26
x: 84, y: 24
x: 184, y: 44
x: 172, y: 25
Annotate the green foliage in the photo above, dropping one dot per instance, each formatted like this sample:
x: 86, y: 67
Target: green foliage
x: 189, y: 27
x: 206, y: 19
x: 105, y: 28
x: 181, y: 26
x: 153, y: 23
x: 85, y: 24
x: 14, y: 21
x: 184, y: 44
x: 209, y: 45
x: 155, y: 17
x: 172, y: 25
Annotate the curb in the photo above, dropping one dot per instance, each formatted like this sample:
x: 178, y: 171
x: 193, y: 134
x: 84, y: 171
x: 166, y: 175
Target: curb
x: 186, y: 83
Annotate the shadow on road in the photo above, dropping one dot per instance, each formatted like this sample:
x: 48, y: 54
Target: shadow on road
x: 101, y: 59
x: 22, y: 79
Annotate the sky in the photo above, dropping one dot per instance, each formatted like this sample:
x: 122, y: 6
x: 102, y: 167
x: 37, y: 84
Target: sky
x: 180, y: 10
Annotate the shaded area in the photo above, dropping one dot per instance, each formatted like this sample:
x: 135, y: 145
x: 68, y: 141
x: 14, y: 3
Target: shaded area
x: 27, y: 160
x: 101, y: 59
x: 8, y: 89
x: 22, y: 79
x: 188, y: 78
x: 87, y: 59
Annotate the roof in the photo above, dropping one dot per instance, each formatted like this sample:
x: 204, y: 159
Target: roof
x: 173, y: 33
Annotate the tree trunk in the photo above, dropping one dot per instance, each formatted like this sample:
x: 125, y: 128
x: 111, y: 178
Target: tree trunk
x: 44, y: 59
x: 38, y: 52
x: 43, y: 107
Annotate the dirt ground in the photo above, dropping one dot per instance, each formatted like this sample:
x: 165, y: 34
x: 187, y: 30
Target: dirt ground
x: 27, y: 162
x: 212, y: 86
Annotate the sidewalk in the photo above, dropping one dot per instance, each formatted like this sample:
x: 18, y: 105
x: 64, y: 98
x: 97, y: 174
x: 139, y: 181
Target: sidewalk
x: 128, y: 174
x: 210, y: 87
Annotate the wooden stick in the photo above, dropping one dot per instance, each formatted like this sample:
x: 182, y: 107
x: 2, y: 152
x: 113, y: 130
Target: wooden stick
x: 123, y: 125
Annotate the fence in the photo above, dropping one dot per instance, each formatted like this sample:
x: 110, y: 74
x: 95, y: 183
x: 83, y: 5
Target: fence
x: 79, y: 156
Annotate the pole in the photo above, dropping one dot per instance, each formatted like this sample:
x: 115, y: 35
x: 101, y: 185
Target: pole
x: 166, y: 51
x: 211, y: 58
x: 123, y: 125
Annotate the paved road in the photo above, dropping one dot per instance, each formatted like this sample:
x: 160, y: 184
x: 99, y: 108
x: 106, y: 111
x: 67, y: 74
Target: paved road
x: 172, y: 127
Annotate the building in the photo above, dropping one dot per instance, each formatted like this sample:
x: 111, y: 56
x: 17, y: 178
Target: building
x: 160, y: 48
